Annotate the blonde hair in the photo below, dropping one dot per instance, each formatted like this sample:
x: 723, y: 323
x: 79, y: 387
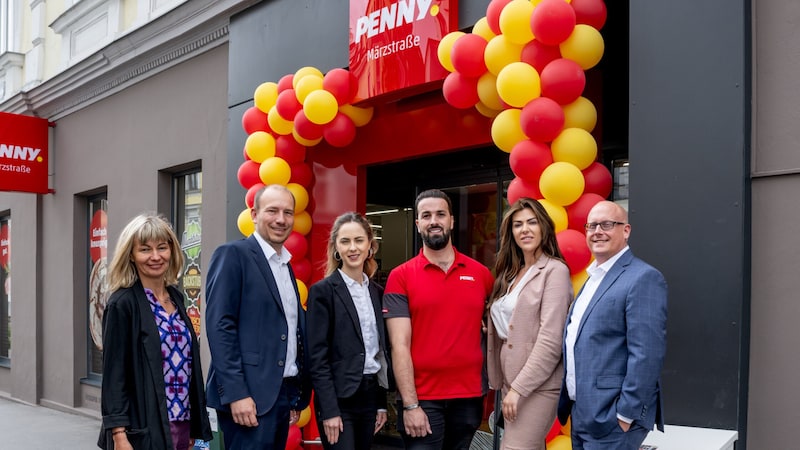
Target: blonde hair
x: 370, y: 265
x: 141, y: 229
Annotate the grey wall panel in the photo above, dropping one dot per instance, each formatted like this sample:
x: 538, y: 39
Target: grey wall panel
x: 689, y: 195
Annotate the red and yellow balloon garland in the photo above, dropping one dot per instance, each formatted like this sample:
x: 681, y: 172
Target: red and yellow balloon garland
x: 523, y: 65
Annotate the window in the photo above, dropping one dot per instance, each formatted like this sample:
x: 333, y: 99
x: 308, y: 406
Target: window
x: 187, y: 188
x: 5, y: 289
x: 10, y: 20
x: 96, y: 225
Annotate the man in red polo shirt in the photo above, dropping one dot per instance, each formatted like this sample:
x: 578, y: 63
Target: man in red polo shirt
x: 434, y: 306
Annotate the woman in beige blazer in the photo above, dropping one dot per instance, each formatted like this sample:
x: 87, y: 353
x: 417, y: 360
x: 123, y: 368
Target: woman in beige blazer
x: 527, y: 312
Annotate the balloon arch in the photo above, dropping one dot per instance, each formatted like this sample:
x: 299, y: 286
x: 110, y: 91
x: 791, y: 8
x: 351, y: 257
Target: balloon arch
x: 522, y: 65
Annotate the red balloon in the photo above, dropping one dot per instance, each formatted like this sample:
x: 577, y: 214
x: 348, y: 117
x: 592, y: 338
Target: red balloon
x: 467, y: 55
x: 340, y: 131
x: 254, y: 120
x: 539, y: 55
x: 295, y: 438
x: 590, y: 12
x: 287, y: 104
x: 244, y: 153
x: 542, y: 119
x: 301, y: 268
x: 301, y: 174
x: 555, y: 430
x: 579, y: 211
x: 286, y: 82
x: 573, y: 247
x: 289, y: 149
x: 563, y: 80
x: 306, y: 128
x: 519, y: 188
x: 493, y: 14
x: 528, y: 160
x: 337, y: 82
x: 248, y: 174
x: 598, y: 180
x: 297, y: 245
x: 552, y: 21
x: 251, y: 194
x: 460, y: 91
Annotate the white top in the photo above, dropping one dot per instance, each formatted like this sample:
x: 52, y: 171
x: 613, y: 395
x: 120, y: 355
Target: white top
x: 366, y: 319
x: 503, y: 307
x: 279, y: 265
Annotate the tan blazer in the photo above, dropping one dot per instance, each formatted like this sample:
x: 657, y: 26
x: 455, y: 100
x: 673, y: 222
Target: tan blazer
x: 531, y: 358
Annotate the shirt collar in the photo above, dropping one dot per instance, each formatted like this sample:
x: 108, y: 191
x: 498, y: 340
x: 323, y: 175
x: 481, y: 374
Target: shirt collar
x: 353, y: 283
x: 270, y: 252
x: 594, y: 269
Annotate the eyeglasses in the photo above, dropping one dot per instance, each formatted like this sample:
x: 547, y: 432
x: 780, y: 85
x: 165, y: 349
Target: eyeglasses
x: 607, y: 225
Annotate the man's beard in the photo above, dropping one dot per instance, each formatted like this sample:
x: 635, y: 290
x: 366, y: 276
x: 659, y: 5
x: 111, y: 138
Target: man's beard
x: 436, y: 242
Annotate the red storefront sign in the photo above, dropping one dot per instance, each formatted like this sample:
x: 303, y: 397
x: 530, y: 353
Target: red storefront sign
x: 23, y: 153
x: 393, y: 45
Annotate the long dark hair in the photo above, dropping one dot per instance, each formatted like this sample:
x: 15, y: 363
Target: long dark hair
x: 510, y: 259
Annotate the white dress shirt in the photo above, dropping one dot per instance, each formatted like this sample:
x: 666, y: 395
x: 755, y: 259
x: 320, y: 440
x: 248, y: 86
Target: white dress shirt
x: 366, y: 319
x: 279, y: 265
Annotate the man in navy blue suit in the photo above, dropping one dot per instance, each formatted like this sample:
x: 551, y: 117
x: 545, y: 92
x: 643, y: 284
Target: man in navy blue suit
x: 615, y: 341
x: 256, y: 331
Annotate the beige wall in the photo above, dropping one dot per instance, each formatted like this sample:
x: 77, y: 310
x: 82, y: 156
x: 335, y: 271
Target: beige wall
x: 176, y: 117
x: 775, y: 310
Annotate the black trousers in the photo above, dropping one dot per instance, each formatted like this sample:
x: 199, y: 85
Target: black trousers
x: 453, y: 423
x: 358, y: 417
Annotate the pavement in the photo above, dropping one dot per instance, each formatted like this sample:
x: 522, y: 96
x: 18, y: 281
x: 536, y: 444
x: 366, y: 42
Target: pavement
x: 31, y: 427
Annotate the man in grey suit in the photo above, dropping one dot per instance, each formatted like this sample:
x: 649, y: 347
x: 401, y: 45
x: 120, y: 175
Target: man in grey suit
x: 615, y: 341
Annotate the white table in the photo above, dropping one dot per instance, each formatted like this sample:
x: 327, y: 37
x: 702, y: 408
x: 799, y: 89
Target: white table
x: 691, y: 438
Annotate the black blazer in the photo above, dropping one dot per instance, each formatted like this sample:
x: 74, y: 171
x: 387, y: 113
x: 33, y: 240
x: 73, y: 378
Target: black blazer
x: 336, y: 346
x: 133, y: 390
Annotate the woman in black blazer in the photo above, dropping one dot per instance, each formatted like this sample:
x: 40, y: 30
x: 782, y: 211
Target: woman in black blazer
x: 346, y: 336
x: 152, y: 394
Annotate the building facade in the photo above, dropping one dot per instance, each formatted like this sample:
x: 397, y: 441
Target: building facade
x: 697, y: 121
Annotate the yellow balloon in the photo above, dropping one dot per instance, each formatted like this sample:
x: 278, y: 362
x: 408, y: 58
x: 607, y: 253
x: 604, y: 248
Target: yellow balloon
x: 561, y: 183
x: 515, y: 21
x: 320, y: 107
x: 506, y: 130
x: 302, y: 223
x: 306, y: 86
x: 303, y: 72
x: 275, y: 170
x: 481, y: 28
x: 245, y: 222
x: 580, y: 114
x: 585, y: 46
x: 501, y: 52
x: 445, y: 49
x: 577, y: 283
x: 556, y: 212
x: 559, y: 442
x: 300, y: 197
x: 487, y: 91
x: 305, y: 415
x: 359, y: 116
x: 486, y: 111
x: 259, y: 146
x: 277, y: 123
x: 265, y: 96
x: 303, y: 141
x: 518, y: 83
x: 303, y: 291
x: 575, y: 146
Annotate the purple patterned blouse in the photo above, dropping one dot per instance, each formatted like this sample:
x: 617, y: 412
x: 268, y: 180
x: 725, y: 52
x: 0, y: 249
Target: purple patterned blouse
x: 176, y: 352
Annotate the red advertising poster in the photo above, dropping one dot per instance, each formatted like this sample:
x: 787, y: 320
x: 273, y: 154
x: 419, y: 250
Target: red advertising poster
x: 5, y: 247
x: 393, y: 45
x: 23, y: 153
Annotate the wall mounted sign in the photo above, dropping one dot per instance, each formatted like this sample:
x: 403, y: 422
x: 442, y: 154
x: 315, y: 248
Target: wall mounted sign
x: 23, y: 153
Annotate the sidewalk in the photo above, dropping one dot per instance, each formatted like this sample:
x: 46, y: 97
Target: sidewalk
x: 37, y: 428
